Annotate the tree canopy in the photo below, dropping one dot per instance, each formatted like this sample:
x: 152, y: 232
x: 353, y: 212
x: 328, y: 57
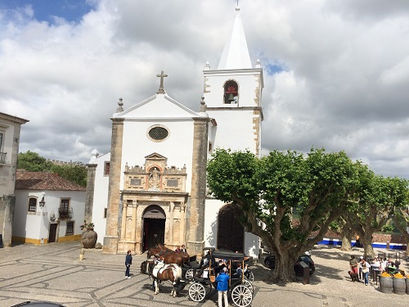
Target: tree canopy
x: 32, y: 161
x: 288, y: 199
x: 376, y: 200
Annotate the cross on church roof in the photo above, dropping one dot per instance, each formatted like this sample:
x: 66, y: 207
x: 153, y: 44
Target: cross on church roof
x: 162, y: 75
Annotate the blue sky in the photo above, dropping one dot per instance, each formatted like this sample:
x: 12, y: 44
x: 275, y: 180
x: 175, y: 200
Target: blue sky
x: 44, y: 10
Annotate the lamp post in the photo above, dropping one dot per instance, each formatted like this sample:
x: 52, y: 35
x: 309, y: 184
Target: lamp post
x: 42, y: 202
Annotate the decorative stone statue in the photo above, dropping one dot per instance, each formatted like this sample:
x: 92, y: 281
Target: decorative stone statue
x: 154, y: 179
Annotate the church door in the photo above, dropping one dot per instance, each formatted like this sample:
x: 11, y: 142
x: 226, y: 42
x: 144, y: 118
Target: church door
x: 154, y: 219
x: 230, y: 233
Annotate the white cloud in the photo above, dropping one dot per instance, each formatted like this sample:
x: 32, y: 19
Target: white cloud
x: 344, y: 86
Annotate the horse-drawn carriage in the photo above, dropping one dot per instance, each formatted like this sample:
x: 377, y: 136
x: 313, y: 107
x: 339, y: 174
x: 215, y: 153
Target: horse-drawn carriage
x: 240, y: 288
x: 180, y: 270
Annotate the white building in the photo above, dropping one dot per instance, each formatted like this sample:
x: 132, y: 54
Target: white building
x: 151, y: 188
x: 9, y: 143
x: 48, y: 208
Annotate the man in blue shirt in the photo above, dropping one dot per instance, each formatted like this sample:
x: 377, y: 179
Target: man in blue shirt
x: 222, y: 287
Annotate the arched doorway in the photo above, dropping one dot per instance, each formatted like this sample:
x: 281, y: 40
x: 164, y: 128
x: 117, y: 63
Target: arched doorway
x: 230, y: 233
x: 154, y: 219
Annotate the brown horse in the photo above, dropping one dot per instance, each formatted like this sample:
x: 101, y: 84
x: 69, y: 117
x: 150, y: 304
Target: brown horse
x: 169, y: 256
x: 163, y: 272
x: 158, y: 249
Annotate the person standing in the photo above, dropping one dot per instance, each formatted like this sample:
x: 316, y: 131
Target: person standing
x: 354, y: 265
x: 365, y: 270
x: 222, y: 287
x: 128, y: 262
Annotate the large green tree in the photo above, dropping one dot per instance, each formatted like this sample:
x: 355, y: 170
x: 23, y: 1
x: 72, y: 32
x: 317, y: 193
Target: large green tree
x: 32, y: 161
x: 376, y: 198
x: 273, y: 190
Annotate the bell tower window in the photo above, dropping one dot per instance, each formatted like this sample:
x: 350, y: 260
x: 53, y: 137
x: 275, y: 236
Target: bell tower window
x: 231, y: 92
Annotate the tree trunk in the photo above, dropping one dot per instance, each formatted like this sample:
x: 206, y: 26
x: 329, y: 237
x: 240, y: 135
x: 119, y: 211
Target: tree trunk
x: 367, y: 243
x: 346, y: 243
x: 368, y: 250
x: 284, y: 268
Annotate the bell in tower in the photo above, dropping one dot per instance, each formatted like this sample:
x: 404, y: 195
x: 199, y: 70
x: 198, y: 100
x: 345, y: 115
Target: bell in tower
x: 230, y: 92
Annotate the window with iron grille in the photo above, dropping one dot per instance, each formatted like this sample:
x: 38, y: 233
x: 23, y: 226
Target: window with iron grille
x: 70, y: 228
x: 32, y: 204
x: 64, y: 208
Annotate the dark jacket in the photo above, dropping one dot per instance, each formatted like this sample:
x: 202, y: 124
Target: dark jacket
x: 222, y: 282
x: 128, y: 260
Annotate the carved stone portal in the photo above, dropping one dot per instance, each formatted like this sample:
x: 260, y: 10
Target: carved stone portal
x: 153, y: 185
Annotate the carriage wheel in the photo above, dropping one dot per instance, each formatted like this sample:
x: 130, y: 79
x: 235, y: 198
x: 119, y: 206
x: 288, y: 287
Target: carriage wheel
x: 189, y: 274
x: 241, y: 296
x: 250, y: 276
x: 249, y: 285
x: 197, y: 292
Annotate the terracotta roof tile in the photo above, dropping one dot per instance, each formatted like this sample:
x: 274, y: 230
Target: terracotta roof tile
x: 44, y: 181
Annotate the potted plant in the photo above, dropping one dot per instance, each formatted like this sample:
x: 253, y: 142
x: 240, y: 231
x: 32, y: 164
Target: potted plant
x: 89, y: 236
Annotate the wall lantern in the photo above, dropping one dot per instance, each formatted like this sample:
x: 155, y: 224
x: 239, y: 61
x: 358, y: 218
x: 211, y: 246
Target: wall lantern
x: 42, y: 202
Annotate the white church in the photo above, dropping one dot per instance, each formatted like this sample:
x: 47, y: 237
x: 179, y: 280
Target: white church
x: 151, y: 187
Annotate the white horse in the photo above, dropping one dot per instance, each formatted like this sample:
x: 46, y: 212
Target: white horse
x: 162, y: 272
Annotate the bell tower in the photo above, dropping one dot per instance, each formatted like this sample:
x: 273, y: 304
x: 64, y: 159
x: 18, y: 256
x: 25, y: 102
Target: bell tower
x: 233, y: 95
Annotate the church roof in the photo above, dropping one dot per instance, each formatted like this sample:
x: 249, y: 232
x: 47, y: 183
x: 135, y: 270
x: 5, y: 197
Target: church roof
x: 158, y: 106
x: 235, y: 53
x: 44, y: 181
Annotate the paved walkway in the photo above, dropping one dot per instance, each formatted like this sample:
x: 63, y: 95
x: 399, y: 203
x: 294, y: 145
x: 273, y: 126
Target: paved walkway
x: 54, y: 273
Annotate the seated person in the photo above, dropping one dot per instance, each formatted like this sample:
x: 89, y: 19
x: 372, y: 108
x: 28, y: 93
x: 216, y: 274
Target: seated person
x: 183, y: 249
x: 391, y: 268
x: 178, y: 250
x: 239, y: 271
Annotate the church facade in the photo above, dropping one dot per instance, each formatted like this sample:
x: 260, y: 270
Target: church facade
x: 151, y: 187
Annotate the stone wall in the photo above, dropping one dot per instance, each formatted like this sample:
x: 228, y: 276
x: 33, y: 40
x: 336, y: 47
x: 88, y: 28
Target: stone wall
x: 377, y: 237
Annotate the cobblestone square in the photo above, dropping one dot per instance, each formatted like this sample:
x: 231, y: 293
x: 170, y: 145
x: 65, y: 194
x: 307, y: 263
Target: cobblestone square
x: 54, y: 273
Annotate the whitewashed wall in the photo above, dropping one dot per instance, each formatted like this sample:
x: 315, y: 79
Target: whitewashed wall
x: 7, y: 171
x: 234, y: 129
x: 177, y: 147
x: 100, y: 197
x: 36, y: 225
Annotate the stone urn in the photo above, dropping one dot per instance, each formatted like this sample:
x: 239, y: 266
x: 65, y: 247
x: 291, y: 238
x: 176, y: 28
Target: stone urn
x: 89, y: 236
